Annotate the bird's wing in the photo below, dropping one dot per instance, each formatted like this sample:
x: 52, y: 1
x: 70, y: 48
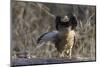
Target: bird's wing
x: 49, y: 36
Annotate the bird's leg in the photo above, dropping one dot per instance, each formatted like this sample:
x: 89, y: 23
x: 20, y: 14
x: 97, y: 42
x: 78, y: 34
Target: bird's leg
x: 61, y: 54
x: 70, y: 53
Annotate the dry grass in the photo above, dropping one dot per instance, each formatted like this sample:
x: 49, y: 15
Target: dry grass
x: 30, y: 20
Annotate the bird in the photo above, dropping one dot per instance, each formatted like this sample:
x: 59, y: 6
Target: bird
x: 63, y: 37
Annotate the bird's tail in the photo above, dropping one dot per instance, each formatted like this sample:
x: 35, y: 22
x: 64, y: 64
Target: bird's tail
x: 40, y: 38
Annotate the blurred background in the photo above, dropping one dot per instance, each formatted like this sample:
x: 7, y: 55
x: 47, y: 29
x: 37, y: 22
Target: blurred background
x: 31, y: 19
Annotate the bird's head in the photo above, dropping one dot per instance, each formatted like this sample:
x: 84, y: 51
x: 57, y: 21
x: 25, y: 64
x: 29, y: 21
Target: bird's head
x: 66, y: 23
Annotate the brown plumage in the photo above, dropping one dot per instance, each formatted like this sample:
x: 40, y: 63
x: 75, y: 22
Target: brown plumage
x: 64, y: 37
x: 65, y: 44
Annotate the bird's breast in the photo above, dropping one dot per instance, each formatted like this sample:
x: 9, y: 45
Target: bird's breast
x: 70, y: 38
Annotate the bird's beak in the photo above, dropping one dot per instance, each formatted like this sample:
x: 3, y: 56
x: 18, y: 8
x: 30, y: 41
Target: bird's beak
x: 65, y: 19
